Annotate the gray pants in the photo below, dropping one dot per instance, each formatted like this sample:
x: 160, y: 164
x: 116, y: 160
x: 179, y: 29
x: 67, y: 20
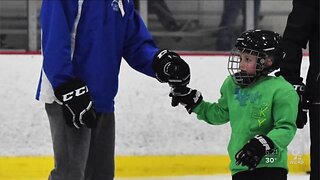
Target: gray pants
x: 81, y: 154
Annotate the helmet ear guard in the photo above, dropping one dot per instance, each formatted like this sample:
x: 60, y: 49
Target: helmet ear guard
x: 277, y: 57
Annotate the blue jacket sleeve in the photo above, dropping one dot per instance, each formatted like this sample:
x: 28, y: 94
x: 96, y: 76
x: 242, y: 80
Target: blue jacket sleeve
x: 57, y: 22
x: 139, y: 48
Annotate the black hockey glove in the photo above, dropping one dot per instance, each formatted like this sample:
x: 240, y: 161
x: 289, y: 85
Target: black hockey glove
x: 252, y: 152
x: 77, y: 104
x: 185, y: 96
x: 303, y: 103
x: 170, y: 68
x: 302, y: 118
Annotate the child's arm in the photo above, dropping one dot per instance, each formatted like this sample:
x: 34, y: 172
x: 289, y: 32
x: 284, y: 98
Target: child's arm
x: 285, y: 113
x: 212, y: 113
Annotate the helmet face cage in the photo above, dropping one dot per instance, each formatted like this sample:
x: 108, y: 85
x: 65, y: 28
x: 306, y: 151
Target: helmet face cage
x: 240, y: 77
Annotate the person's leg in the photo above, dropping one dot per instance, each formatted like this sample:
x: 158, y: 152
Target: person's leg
x: 244, y: 175
x: 160, y: 8
x: 256, y: 16
x: 262, y: 174
x: 313, y: 89
x: 231, y: 10
x: 314, y: 118
x: 70, y: 146
x: 270, y: 174
x: 2, y: 40
x: 257, y: 5
x: 100, y: 163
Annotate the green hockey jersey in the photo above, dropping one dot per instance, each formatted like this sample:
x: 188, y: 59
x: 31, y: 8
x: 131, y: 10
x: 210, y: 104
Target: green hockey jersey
x: 267, y: 107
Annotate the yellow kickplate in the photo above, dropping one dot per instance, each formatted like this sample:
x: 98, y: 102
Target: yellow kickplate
x: 25, y: 167
x: 38, y: 168
x: 135, y: 166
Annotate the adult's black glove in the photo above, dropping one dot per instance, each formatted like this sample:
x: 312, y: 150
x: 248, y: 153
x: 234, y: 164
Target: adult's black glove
x: 252, y: 152
x: 303, y: 103
x: 302, y: 118
x: 170, y: 68
x: 185, y: 96
x: 77, y: 104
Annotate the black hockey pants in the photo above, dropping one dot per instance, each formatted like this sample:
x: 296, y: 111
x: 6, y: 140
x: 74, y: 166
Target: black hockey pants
x: 262, y: 174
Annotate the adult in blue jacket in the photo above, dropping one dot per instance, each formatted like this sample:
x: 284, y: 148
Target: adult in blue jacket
x: 83, y: 42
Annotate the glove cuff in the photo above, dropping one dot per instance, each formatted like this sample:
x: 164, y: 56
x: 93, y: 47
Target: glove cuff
x: 197, y: 100
x: 73, y: 88
x: 180, y: 91
x: 265, y: 143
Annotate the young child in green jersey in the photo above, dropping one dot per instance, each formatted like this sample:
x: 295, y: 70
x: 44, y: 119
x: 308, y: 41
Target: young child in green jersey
x: 261, y: 109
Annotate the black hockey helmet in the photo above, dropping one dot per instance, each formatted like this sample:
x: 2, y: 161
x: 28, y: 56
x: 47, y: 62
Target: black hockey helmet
x: 261, y: 43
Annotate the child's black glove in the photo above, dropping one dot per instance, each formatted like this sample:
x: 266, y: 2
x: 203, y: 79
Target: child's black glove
x: 252, y: 152
x: 187, y: 97
x: 170, y: 68
x: 77, y: 104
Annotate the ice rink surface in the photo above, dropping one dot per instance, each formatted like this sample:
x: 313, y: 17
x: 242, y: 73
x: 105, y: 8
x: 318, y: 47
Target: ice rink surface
x: 216, y: 177
x: 165, y: 131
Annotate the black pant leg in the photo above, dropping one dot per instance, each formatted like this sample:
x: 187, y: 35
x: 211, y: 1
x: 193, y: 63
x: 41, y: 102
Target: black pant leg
x: 262, y: 174
x: 244, y: 175
x: 100, y: 165
x: 314, y: 116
